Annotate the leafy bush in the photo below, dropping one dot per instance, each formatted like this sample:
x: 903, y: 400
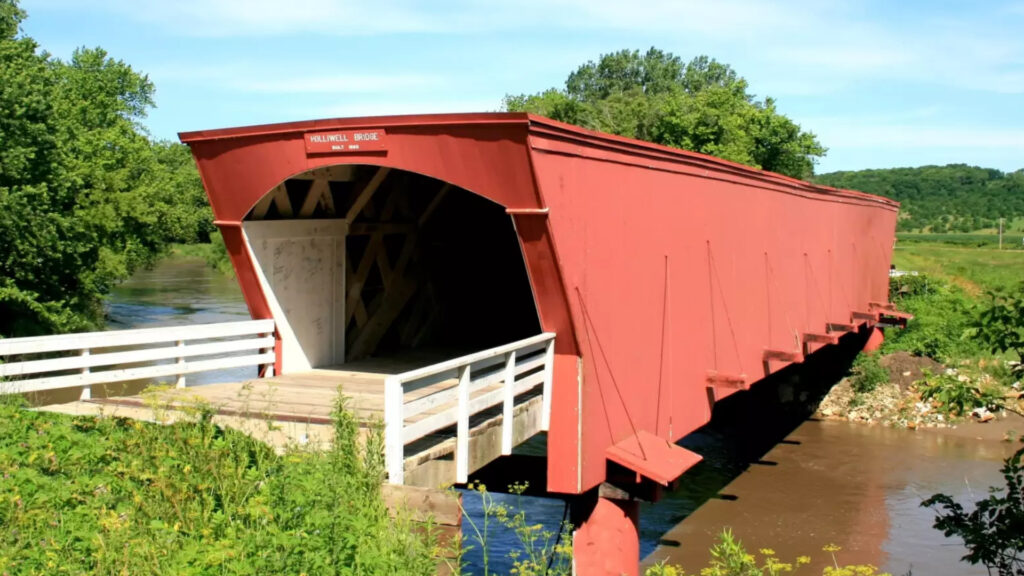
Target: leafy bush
x: 993, y: 531
x: 955, y: 395
x: 908, y: 285
x: 215, y: 253
x: 866, y: 373
x: 84, y: 495
x: 943, y: 323
x: 1000, y: 324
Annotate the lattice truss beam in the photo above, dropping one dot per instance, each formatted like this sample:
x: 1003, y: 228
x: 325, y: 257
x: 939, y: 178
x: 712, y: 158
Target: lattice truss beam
x: 385, y: 280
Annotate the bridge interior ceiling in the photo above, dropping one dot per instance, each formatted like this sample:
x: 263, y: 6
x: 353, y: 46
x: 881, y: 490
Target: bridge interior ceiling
x: 428, y: 264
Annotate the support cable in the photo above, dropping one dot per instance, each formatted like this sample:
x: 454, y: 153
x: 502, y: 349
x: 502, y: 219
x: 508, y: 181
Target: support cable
x: 661, y: 363
x: 725, y: 306
x: 604, y: 357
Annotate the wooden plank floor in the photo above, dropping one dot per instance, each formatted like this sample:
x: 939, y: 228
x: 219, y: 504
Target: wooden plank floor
x: 300, y: 405
x: 307, y: 396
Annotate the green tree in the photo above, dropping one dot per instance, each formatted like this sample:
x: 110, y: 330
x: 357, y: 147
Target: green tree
x: 29, y: 167
x: 86, y: 197
x: 703, y: 106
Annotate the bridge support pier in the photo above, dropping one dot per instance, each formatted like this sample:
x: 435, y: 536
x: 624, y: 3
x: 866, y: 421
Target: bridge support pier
x: 875, y: 340
x: 607, y: 538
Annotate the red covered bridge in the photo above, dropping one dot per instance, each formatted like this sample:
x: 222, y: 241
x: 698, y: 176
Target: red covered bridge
x: 476, y: 279
x: 669, y: 279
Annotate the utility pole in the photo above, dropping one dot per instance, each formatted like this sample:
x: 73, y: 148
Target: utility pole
x: 1001, y: 233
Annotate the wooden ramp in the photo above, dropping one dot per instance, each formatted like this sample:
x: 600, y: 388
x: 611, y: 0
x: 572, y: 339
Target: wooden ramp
x: 296, y: 409
x: 302, y: 397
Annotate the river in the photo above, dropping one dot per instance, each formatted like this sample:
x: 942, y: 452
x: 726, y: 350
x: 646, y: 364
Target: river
x: 854, y: 485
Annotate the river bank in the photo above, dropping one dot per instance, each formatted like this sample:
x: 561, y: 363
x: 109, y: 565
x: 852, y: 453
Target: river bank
x: 899, y: 402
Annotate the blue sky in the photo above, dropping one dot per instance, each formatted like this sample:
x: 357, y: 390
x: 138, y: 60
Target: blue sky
x: 882, y: 83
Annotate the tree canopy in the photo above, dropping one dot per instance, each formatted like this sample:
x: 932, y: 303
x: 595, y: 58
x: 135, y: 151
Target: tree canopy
x: 702, y: 105
x: 952, y: 198
x: 86, y: 197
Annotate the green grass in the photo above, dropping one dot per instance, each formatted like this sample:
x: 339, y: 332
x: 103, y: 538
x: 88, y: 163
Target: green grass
x: 974, y: 269
x: 979, y: 239
x: 947, y: 299
x: 85, y: 495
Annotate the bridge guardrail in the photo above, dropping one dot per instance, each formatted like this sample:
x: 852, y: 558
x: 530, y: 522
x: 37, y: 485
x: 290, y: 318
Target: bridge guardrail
x: 189, y: 348
x: 518, y: 367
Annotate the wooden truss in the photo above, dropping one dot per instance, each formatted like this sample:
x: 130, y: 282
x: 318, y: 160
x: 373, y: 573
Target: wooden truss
x: 383, y: 280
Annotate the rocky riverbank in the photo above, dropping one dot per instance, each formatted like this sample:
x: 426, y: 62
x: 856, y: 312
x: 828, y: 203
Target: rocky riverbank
x: 900, y: 401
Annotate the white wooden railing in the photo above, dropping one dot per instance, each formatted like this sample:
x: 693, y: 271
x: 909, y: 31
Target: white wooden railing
x: 42, y: 363
x: 518, y: 368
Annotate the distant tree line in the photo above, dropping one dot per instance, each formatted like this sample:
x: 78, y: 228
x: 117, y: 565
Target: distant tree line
x: 86, y: 196
x: 701, y: 105
x: 953, y: 198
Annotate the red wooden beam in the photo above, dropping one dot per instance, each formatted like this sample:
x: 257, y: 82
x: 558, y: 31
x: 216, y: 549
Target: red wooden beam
x: 836, y: 327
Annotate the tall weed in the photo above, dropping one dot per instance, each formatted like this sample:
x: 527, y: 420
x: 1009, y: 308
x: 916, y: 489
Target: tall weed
x: 85, y: 495
x: 943, y: 323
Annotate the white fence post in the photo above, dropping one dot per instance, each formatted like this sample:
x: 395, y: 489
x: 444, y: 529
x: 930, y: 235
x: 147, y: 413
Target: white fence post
x: 268, y: 370
x: 181, y: 362
x: 508, y: 400
x: 394, y: 445
x: 462, y: 427
x: 87, y: 389
x: 549, y: 375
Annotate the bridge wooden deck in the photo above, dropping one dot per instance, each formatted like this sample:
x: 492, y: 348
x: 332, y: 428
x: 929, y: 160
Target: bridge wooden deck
x: 444, y: 415
x: 302, y: 397
x: 296, y: 408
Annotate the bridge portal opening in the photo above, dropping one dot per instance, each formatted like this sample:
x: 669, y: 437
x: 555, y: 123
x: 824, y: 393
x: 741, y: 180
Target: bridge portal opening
x: 360, y: 262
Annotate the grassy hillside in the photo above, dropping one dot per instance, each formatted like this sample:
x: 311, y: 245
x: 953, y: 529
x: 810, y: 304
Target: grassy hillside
x: 937, y: 199
x: 974, y: 269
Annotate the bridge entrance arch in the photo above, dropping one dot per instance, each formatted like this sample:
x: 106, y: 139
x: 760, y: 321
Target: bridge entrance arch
x: 360, y: 261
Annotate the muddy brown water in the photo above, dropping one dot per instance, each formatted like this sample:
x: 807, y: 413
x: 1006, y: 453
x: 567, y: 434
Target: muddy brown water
x: 777, y: 479
x: 854, y: 485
